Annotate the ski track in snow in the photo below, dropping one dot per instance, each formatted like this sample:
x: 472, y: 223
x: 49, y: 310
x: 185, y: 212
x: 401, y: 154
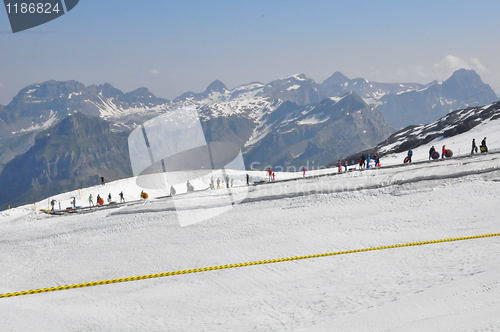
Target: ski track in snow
x: 438, y: 287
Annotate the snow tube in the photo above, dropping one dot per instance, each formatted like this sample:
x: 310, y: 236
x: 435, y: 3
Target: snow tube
x: 482, y: 148
x: 100, y: 201
x: 448, y: 153
x: 144, y: 195
x: 407, y: 159
x: 435, y: 155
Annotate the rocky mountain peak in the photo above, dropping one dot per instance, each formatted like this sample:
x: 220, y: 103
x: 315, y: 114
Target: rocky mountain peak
x: 337, y: 78
x: 464, y: 78
x: 215, y: 86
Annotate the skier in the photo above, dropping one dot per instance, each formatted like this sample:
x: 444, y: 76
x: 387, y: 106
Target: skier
x: 483, y: 146
x: 122, y: 199
x: 474, y: 146
x: 172, y: 191
x: 91, y: 202
x: 431, y: 151
x: 304, y: 169
x: 443, y: 151
x: 248, y: 180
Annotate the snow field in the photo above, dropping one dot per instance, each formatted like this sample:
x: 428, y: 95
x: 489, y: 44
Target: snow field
x: 436, y: 285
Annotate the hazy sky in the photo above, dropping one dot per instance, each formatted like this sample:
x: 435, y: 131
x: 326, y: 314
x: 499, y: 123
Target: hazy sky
x: 172, y: 47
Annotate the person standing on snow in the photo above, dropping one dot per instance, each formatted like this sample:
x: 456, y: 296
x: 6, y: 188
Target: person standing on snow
x: 122, y: 199
x: 304, y: 169
x: 409, y: 155
x: 431, y: 151
x: 218, y: 183
x: 339, y: 166
x: 270, y: 173
x: 474, y: 146
x: 483, y: 144
x: 368, y: 159
x: 91, y: 202
x: 346, y: 163
x: 248, y: 180
x: 172, y: 191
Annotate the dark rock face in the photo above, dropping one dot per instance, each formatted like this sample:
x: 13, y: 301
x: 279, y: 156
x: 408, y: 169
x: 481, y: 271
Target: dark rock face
x: 70, y: 155
x: 314, y: 135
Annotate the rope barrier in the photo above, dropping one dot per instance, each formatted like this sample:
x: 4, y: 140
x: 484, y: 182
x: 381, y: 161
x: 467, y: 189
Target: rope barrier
x: 230, y: 266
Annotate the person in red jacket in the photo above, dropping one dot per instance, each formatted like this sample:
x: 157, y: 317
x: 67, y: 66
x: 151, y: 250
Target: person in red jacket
x: 270, y: 173
x: 443, y: 151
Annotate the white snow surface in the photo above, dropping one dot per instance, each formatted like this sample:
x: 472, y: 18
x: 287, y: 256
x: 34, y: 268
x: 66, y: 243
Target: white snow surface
x: 452, y: 286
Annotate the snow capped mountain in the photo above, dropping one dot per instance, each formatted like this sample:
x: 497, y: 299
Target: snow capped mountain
x: 287, y: 122
x: 294, y: 135
x: 404, y: 104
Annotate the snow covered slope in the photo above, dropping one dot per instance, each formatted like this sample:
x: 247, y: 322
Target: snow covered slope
x: 437, y: 287
x: 455, y: 131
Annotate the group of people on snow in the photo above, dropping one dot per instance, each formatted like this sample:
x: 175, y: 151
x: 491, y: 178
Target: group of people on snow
x: 433, y: 154
x: 100, y: 200
x: 483, y: 148
x: 364, y: 161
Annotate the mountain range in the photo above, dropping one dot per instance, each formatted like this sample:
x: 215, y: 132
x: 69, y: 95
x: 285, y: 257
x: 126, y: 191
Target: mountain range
x: 285, y: 123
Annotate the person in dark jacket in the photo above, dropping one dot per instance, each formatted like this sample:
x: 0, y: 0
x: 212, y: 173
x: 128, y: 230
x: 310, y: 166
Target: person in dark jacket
x: 484, y: 148
x: 474, y: 146
x: 431, y: 151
